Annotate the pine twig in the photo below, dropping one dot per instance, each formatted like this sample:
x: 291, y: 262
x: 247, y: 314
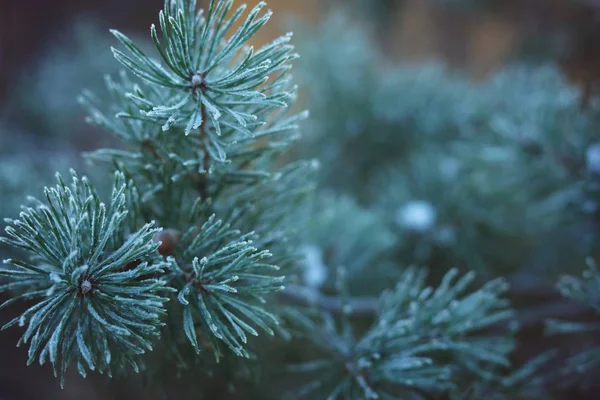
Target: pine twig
x: 368, y: 306
x: 358, y: 306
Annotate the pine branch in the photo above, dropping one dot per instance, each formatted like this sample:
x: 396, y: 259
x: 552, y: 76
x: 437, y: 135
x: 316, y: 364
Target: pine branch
x: 368, y: 306
x: 423, y: 337
x: 202, y: 125
x: 87, y: 309
x: 221, y: 292
x: 355, y: 306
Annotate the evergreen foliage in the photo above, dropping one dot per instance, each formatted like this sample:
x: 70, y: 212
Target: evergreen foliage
x: 202, y: 133
x: 496, y: 176
x: 492, y: 161
x: 225, y: 255
x: 92, y: 275
x: 421, y: 342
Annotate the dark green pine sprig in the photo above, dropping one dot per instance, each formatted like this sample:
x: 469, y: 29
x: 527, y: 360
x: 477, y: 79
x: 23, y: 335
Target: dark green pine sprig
x: 209, y: 76
x: 213, y: 150
x: 227, y: 121
x: 94, y: 278
x: 203, y: 130
x: 425, y: 341
x: 222, y: 292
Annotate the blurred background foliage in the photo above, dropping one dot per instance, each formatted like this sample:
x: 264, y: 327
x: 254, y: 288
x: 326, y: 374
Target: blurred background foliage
x: 424, y: 114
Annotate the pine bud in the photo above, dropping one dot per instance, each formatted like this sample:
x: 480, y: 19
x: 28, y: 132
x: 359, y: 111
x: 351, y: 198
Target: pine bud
x: 168, y: 241
x: 419, y: 216
x: 196, y: 80
x: 85, y: 287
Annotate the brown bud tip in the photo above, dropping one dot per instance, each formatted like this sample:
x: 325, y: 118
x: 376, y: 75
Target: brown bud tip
x: 168, y: 241
x: 85, y: 287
